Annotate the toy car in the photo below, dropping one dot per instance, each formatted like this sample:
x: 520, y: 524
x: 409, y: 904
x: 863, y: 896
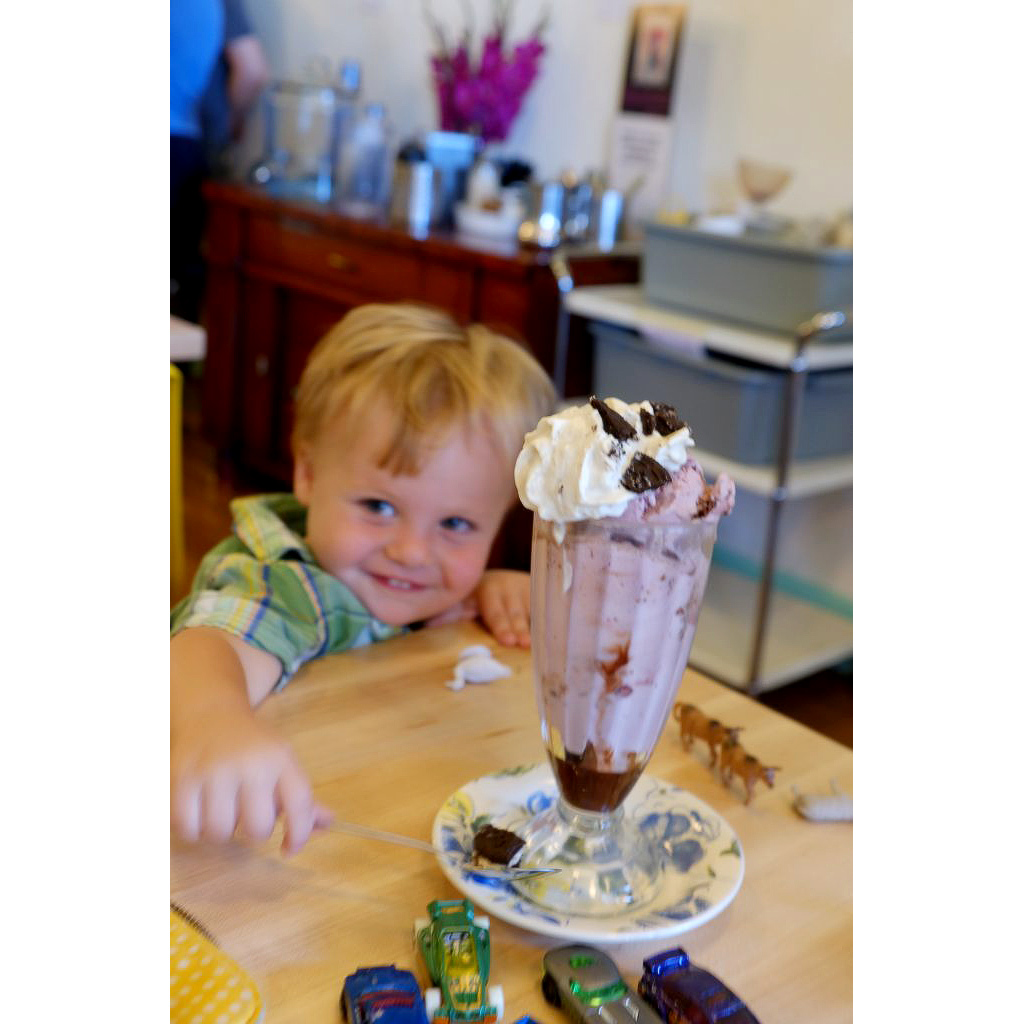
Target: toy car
x: 586, y: 985
x: 456, y: 946
x: 382, y: 995
x: 681, y: 992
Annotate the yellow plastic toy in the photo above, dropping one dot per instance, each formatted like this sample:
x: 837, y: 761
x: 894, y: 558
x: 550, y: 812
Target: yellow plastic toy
x: 206, y: 984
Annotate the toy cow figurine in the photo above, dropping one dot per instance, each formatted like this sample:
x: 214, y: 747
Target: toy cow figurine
x: 735, y: 760
x: 693, y: 723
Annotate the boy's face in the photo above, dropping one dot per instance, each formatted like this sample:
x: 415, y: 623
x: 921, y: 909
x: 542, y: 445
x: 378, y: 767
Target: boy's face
x: 409, y: 547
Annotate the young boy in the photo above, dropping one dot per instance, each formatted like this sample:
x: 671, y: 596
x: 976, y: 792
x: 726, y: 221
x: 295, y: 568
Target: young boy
x: 407, y: 427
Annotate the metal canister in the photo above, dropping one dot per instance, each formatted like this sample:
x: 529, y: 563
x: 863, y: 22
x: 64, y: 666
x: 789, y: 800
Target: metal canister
x: 415, y: 196
x: 607, y: 224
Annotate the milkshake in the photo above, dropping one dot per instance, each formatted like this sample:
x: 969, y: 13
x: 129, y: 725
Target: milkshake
x: 624, y: 526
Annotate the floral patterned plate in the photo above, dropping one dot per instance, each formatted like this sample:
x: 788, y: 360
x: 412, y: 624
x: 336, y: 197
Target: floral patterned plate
x: 703, y: 857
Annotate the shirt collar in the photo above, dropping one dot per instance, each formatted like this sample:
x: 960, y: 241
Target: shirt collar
x: 271, y: 526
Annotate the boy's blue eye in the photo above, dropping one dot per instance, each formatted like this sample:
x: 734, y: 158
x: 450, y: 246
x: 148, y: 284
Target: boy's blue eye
x: 457, y: 524
x: 378, y: 507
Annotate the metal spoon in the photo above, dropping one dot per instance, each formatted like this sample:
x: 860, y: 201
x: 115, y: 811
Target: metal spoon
x: 457, y: 857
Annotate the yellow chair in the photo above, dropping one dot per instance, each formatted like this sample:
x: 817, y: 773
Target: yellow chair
x: 178, y: 582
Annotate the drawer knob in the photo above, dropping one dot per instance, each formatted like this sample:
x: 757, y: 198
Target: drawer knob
x: 336, y: 261
x: 262, y: 365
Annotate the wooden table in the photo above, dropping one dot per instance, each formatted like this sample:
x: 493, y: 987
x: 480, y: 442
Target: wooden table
x: 386, y: 743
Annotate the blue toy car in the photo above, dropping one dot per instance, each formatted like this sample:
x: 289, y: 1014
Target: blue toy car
x: 685, y: 994
x: 382, y: 995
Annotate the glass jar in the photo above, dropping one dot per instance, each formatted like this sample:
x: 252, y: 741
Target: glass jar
x: 364, y: 167
x: 303, y: 123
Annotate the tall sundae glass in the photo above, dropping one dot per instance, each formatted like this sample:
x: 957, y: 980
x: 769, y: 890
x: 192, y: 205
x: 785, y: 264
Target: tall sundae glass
x: 624, y: 527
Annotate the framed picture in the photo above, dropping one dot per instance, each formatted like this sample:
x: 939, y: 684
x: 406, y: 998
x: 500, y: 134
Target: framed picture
x: 653, y: 55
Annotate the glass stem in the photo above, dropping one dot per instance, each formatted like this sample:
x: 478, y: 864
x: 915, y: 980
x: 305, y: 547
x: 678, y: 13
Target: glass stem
x: 589, y: 823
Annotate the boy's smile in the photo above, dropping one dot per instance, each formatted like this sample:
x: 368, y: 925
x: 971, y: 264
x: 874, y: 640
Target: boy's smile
x: 409, y: 547
x: 390, y: 581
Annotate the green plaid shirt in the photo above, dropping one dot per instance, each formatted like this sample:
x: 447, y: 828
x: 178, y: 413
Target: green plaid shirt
x: 263, y: 585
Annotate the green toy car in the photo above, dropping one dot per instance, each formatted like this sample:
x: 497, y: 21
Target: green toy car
x: 456, y: 946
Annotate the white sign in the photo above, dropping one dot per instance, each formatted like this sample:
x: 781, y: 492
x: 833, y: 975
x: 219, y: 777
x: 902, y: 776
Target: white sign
x: 639, y: 165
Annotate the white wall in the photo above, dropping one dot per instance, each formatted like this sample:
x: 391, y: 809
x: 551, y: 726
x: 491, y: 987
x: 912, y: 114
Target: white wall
x: 768, y: 79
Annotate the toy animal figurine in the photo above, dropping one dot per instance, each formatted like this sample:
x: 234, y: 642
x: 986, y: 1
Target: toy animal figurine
x: 693, y: 723
x: 736, y: 761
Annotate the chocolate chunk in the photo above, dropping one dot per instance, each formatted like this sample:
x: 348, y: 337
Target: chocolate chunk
x: 498, y: 845
x: 613, y: 423
x: 666, y: 419
x: 705, y: 503
x: 647, y: 421
x: 626, y: 538
x: 644, y: 474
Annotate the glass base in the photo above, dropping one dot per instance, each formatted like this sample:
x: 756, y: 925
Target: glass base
x: 607, y: 866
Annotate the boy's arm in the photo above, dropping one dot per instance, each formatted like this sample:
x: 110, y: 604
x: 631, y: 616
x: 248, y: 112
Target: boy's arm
x: 210, y: 665
x: 227, y: 767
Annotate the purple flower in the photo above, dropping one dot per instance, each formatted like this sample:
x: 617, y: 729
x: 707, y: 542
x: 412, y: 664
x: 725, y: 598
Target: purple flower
x: 486, y: 98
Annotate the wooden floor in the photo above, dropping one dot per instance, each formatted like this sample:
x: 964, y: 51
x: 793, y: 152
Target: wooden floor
x: 823, y: 701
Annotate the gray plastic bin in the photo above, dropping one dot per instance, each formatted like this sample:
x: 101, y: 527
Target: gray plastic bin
x: 765, y: 284
x: 733, y: 409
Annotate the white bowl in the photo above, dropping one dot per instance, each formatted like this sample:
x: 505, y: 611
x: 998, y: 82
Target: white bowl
x: 499, y: 224
x: 721, y: 223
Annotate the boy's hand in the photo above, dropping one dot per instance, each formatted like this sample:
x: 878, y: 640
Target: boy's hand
x: 229, y: 770
x: 503, y: 600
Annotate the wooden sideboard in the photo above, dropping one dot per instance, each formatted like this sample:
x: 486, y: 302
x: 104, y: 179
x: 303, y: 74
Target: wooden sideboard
x: 280, y: 273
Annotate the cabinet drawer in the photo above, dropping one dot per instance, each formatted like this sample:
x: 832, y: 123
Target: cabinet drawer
x: 295, y: 246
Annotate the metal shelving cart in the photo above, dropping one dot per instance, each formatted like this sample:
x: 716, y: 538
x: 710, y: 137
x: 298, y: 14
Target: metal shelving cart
x: 803, y: 636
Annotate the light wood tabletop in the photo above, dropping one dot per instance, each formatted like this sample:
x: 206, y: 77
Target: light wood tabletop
x: 385, y: 743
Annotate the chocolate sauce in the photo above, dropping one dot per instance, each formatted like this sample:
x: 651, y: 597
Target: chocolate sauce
x: 585, y: 787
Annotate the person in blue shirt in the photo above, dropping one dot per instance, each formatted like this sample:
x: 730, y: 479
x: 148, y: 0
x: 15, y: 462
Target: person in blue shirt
x: 196, y: 39
x: 217, y: 70
x: 238, y: 78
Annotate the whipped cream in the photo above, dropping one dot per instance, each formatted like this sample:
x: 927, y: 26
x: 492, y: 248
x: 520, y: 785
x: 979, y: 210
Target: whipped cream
x: 571, y: 468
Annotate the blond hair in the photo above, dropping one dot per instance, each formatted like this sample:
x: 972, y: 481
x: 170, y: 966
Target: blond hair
x: 432, y: 374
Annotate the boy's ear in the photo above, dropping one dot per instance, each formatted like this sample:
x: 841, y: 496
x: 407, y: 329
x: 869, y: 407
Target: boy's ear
x: 302, y: 481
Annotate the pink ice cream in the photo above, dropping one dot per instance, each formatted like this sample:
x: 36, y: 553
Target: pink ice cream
x: 624, y: 527
x: 684, y: 498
